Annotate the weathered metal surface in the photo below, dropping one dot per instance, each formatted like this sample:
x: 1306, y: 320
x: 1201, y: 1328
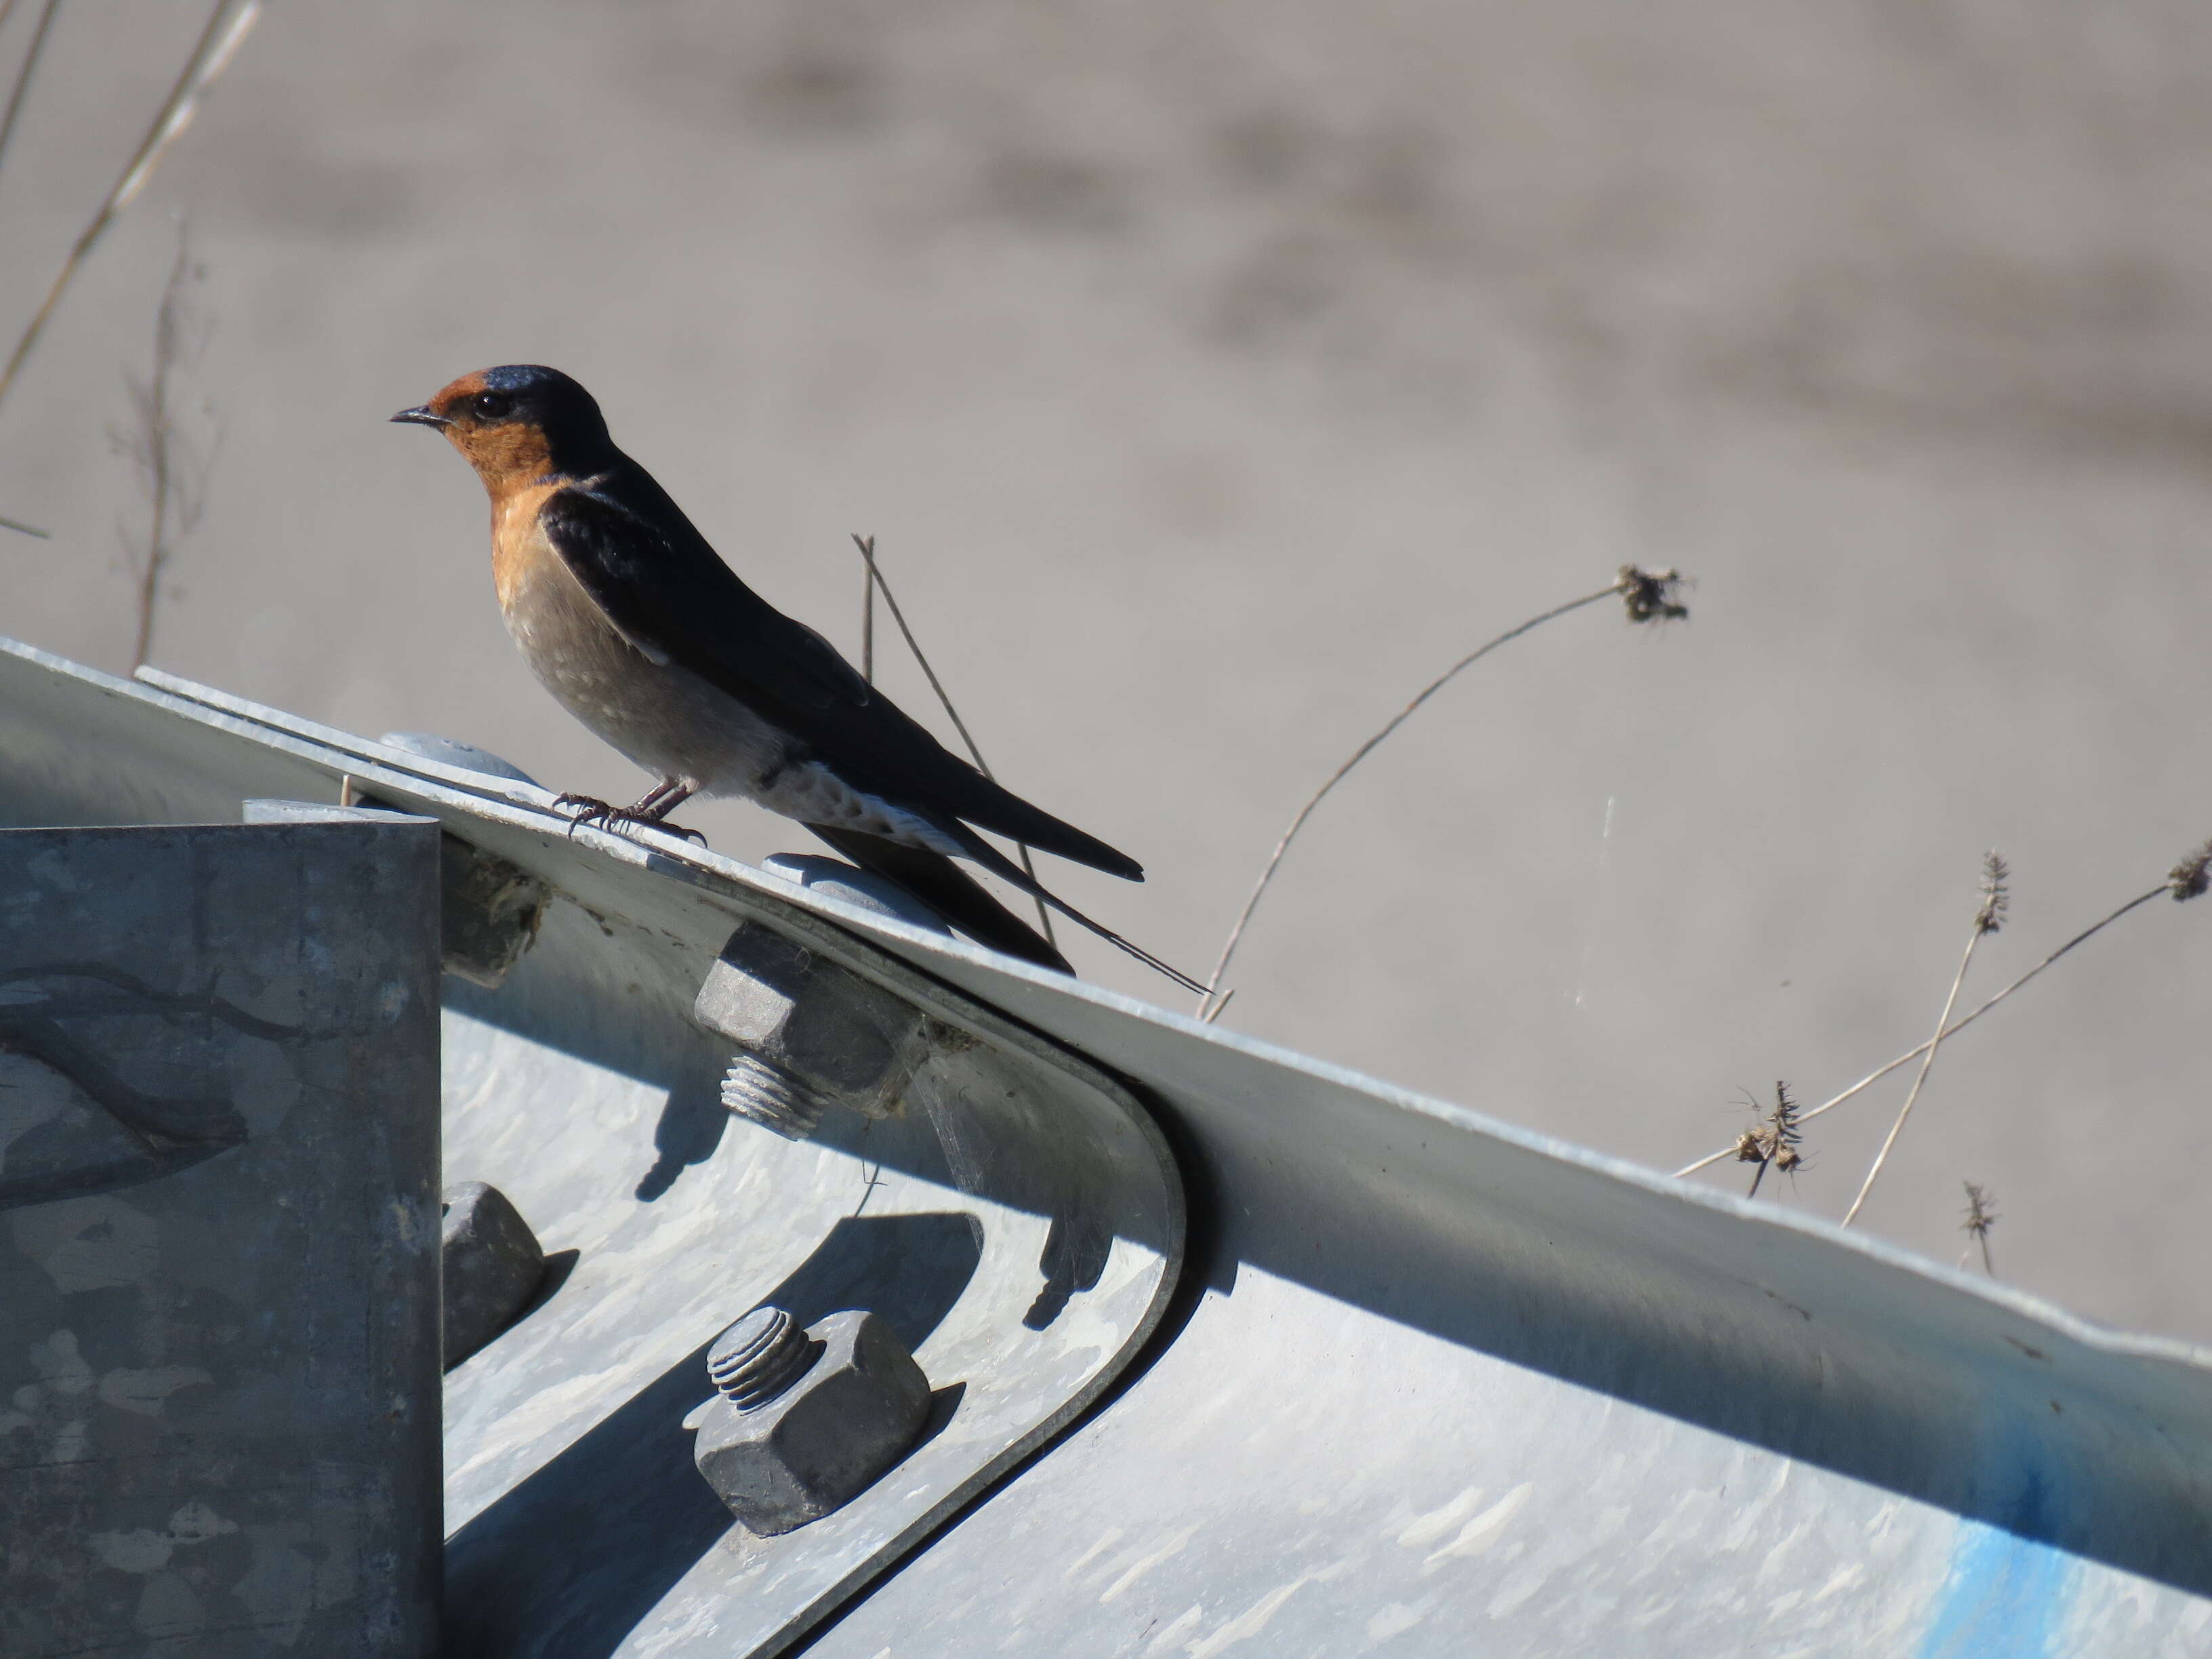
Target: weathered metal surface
x: 1455, y: 1387
x: 218, y: 1268
x: 1440, y: 1385
x: 1018, y: 1222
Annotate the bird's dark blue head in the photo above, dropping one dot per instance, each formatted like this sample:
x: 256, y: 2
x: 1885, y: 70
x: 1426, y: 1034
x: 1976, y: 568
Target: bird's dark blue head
x: 519, y: 422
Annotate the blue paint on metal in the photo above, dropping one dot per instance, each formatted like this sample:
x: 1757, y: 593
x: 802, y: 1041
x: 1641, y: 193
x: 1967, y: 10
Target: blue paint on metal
x: 2005, y: 1593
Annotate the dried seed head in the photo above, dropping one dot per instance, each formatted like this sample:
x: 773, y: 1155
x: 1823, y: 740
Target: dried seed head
x: 1782, y: 1130
x: 1995, y: 897
x: 1651, y: 595
x: 1981, y: 1210
x: 2192, y: 875
x: 1772, y: 1140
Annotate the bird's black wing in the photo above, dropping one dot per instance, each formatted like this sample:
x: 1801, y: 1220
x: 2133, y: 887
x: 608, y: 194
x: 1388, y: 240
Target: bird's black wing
x: 668, y: 592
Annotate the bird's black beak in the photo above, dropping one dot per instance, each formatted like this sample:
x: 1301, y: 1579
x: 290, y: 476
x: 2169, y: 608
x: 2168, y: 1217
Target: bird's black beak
x: 422, y: 416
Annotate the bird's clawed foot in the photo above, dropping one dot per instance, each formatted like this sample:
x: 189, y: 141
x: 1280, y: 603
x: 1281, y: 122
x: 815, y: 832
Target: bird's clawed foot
x: 618, y: 820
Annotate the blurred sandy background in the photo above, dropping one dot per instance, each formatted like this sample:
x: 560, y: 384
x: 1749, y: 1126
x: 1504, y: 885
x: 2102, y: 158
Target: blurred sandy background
x: 1213, y: 376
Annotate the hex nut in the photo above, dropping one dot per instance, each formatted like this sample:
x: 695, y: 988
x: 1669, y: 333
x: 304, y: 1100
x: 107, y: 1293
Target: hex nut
x: 813, y: 1034
x: 488, y: 911
x: 492, y: 1264
x: 830, y: 1433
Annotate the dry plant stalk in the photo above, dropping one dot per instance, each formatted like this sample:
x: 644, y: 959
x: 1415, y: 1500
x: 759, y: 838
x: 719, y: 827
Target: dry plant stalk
x: 1981, y: 1216
x: 876, y: 582
x: 227, y: 26
x: 868, y: 614
x: 2187, y: 880
x: 171, y: 470
x: 24, y: 71
x: 1648, y: 595
x: 1772, y: 1140
x: 1989, y: 916
x: 28, y: 68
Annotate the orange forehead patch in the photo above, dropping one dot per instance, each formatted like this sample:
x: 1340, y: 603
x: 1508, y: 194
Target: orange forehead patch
x: 454, y: 392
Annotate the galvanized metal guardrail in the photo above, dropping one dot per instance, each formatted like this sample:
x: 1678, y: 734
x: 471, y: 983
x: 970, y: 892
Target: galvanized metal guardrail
x: 1415, y: 1382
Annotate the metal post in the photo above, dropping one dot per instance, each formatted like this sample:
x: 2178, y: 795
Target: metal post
x: 219, y: 1357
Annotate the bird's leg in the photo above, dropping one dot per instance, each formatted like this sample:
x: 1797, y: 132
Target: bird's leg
x: 660, y: 800
x: 652, y: 810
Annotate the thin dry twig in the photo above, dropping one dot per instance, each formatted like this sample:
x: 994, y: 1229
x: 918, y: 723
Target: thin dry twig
x: 1981, y: 1216
x: 169, y: 469
x: 868, y: 615
x: 876, y: 582
x: 1650, y: 595
x: 25, y: 71
x: 1772, y: 1140
x: 227, y: 26
x: 2186, y: 880
x: 1989, y: 916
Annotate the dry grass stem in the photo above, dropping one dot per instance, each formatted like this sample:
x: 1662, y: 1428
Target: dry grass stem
x: 227, y: 26
x: 1988, y: 915
x: 1981, y: 1216
x: 25, y: 70
x: 170, y: 469
x: 25, y: 529
x: 2186, y: 880
x: 877, y: 584
x: 1649, y: 596
x: 868, y: 615
x: 1772, y: 1140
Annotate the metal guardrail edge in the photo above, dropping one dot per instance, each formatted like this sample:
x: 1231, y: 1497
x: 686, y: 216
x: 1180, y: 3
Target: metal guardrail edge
x: 713, y: 873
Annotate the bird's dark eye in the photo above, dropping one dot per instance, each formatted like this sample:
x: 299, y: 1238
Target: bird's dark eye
x: 493, y: 405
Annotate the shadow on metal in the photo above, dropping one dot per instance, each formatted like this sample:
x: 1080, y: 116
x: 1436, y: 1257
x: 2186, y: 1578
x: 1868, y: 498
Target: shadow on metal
x: 619, y: 1518
x: 92, y: 1130
x: 692, y: 1123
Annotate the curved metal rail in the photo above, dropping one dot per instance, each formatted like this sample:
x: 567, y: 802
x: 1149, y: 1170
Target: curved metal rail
x: 1444, y: 1383
x: 1020, y: 1221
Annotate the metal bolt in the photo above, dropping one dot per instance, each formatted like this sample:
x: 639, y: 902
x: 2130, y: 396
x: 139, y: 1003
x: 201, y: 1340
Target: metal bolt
x: 759, y: 1357
x: 492, y: 1263
x: 803, y: 1421
x: 451, y: 752
x: 855, y: 886
x: 811, y: 1034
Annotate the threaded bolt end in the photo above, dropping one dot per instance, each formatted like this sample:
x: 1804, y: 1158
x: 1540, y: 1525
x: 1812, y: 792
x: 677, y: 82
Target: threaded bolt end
x: 774, y: 1097
x: 759, y: 1357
